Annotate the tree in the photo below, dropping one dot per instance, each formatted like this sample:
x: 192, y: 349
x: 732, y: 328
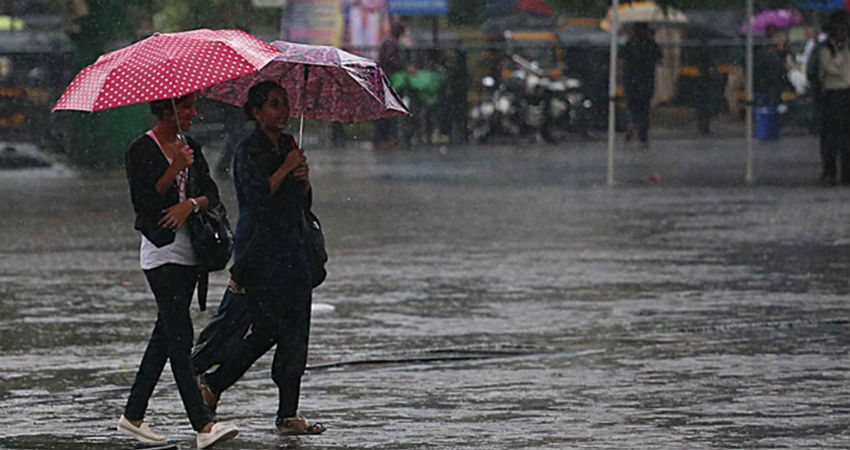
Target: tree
x: 190, y: 14
x: 96, y: 26
x: 93, y: 26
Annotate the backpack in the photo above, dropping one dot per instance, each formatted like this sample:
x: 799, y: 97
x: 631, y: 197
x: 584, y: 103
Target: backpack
x: 813, y: 70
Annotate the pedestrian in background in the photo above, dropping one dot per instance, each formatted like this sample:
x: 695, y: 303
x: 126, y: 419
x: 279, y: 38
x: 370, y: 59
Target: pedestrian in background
x: 169, y: 181
x: 640, y: 54
x: 770, y: 74
x: 704, y: 96
x: 390, y: 59
x: 234, y: 125
x: 833, y: 59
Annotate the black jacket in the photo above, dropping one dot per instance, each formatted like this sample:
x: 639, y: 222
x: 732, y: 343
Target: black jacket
x: 257, y: 158
x: 640, y: 56
x: 145, y: 164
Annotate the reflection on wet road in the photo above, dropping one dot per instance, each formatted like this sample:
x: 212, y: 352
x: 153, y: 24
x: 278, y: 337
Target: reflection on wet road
x: 479, y: 299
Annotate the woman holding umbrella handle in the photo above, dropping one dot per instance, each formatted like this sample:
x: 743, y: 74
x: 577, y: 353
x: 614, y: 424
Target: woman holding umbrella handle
x: 169, y: 180
x: 272, y: 181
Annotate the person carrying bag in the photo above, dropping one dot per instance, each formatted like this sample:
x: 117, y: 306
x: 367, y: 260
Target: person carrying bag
x: 279, y: 258
x: 212, y: 240
x: 170, y: 185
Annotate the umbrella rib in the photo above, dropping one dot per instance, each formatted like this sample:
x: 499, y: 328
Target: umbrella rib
x: 368, y: 91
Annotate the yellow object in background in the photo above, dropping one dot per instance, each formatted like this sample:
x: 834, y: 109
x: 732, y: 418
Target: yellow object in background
x: 9, y: 23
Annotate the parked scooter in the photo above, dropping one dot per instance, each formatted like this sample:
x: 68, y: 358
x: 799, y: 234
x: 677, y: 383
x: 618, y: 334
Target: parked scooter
x: 530, y: 103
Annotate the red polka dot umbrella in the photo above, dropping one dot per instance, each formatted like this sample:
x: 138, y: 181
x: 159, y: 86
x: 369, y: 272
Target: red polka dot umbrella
x: 165, y: 65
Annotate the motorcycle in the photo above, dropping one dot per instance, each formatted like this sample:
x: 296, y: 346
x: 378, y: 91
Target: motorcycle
x: 529, y: 102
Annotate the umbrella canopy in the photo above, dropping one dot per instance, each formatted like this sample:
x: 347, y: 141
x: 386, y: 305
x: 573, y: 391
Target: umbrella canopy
x: 166, y: 65
x: 778, y: 18
x: 646, y: 12
x: 323, y: 83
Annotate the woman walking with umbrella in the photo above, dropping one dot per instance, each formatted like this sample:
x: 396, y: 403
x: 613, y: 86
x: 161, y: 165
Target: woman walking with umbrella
x: 273, y: 189
x: 272, y: 181
x: 641, y: 54
x: 169, y: 181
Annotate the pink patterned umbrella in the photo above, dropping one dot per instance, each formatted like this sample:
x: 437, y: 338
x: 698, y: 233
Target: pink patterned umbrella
x: 323, y: 83
x: 778, y: 18
x: 165, y: 66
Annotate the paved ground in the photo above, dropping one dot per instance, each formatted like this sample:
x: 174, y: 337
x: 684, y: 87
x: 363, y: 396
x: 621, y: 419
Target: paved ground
x: 488, y: 297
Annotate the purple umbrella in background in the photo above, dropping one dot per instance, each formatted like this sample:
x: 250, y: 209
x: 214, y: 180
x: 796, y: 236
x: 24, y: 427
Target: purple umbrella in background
x: 322, y: 82
x: 778, y: 18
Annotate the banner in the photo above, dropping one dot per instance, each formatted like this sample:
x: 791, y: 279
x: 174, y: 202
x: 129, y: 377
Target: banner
x: 269, y: 3
x: 365, y: 22
x: 419, y: 7
x: 318, y: 22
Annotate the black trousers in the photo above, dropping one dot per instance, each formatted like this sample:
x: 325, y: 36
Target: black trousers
x: 639, y: 108
x: 835, y: 135
x: 280, y: 316
x: 171, y: 339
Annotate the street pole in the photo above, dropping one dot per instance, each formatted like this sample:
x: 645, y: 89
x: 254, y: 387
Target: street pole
x: 435, y: 34
x: 749, y: 169
x: 612, y: 90
x: 283, y: 34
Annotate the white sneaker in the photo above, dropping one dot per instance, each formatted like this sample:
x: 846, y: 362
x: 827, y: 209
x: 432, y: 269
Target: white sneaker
x: 219, y: 432
x: 142, y: 432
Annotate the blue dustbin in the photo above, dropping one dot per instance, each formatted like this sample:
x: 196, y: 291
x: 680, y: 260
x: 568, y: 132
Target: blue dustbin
x: 768, y: 123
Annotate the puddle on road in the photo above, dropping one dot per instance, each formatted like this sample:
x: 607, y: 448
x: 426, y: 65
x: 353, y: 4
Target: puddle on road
x: 673, y: 318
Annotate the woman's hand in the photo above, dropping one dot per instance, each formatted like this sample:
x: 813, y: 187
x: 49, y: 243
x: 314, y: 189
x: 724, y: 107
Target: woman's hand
x: 302, y: 173
x: 183, y: 158
x: 294, y: 159
x: 180, y: 159
x: 176, y: 215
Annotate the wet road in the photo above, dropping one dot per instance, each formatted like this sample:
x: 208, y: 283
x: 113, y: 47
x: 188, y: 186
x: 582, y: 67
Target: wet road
x: 506, y: 299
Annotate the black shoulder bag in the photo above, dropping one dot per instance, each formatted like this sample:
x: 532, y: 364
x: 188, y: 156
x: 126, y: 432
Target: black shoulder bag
x: 211, y: 238
x: 317, y: 254
x: 209, y: 231
x: 243, y: 270
x: 212, y: 241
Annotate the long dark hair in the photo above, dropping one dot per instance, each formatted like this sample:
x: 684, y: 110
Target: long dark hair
x: 837, y: 19
x: 257, y: 96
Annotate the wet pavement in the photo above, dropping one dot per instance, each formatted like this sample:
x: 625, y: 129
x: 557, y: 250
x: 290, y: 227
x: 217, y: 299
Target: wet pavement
x: 479, y: 298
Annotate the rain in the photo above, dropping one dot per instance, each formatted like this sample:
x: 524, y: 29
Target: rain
x: 526, y: 260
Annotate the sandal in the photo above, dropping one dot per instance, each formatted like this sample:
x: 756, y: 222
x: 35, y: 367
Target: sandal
x: 209, y: 397
x: 294, y: 426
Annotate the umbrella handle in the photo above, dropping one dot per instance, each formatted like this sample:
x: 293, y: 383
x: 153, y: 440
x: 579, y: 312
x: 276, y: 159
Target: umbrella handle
x: 180, y: 134
x: 301, y: 131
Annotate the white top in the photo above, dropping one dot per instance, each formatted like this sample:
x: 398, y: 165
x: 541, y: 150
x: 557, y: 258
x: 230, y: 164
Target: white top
x: 835, y: 71
x: 178, y: 252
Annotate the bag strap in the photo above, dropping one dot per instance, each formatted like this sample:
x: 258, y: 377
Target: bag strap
x: 203, y: 288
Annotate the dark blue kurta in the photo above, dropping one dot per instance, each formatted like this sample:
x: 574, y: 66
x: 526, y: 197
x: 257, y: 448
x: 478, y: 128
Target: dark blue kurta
x: 268, y: 240
x: 257, y: 158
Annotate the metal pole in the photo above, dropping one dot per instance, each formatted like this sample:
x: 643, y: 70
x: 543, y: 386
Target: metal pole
x: 749, y: 156
x: 435, y: 33
x: 180, y: 134
x: 612, y: 90
x: 303, y: 107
